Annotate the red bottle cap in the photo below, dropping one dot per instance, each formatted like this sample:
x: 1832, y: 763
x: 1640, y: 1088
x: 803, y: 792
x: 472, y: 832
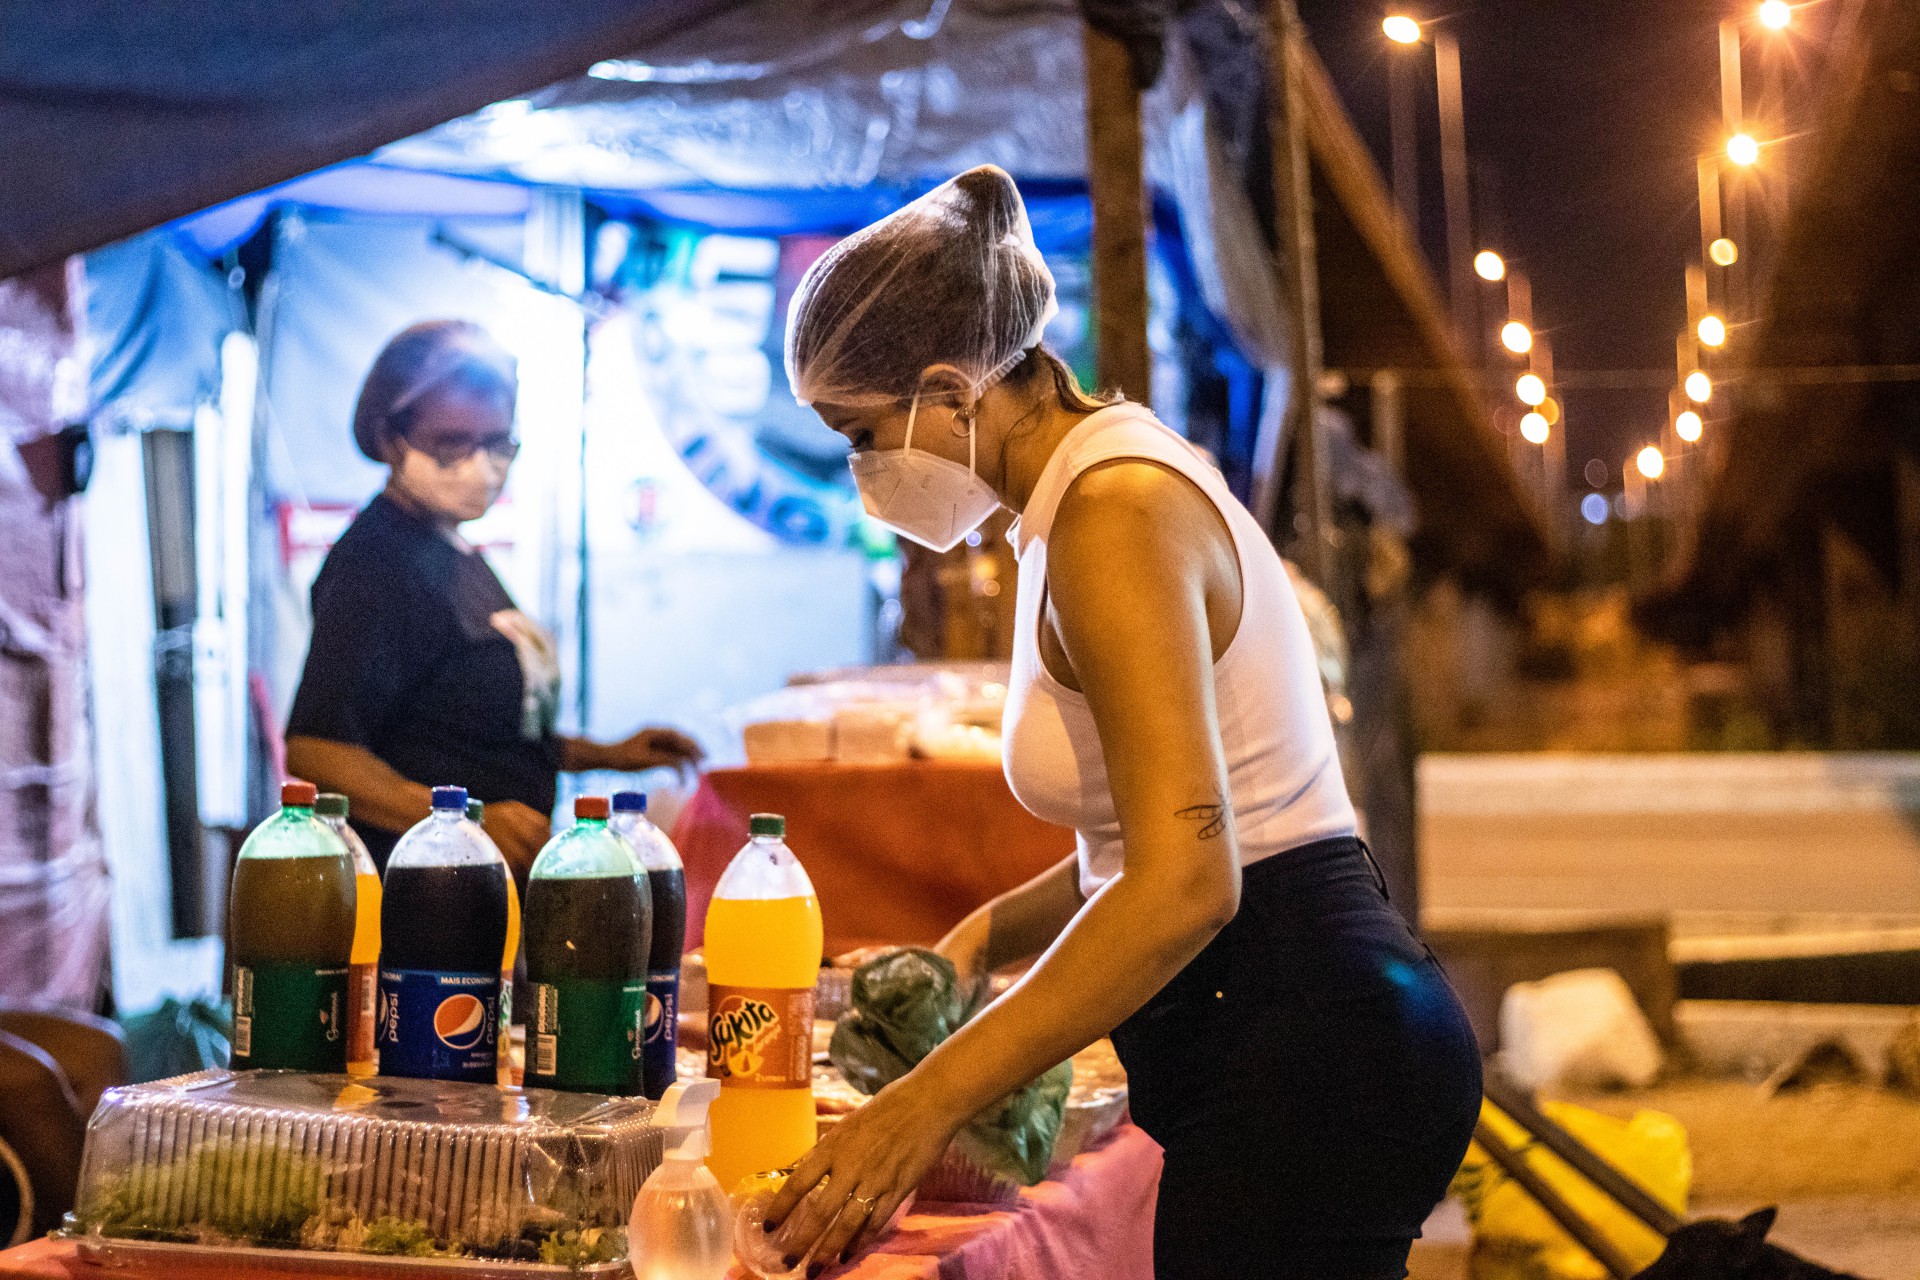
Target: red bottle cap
x: 591, y: 807
x: 300, y: 795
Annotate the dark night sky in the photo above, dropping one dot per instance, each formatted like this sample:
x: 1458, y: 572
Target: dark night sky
x: 1588, y: 117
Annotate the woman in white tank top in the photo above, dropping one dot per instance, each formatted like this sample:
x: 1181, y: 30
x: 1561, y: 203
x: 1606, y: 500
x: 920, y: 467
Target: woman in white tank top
x: 1289, y: 1043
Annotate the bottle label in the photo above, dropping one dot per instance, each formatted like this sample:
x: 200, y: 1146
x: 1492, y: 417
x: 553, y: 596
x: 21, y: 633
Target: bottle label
x: 760, y: 1037
x: 290, y: 1016
x: 663, y: 1033
x: 363, y: 998
x: 439, y: 1026
x: 586, y: 1035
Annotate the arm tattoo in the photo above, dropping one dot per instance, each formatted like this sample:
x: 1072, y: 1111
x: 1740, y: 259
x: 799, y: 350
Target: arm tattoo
x: 1211, y: 817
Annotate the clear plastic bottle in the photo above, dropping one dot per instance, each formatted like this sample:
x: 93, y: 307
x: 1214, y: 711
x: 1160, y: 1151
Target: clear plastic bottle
x: 443, y: 927
x: 763, y: 959
x: 682, y: 1227
x: 290, y: 925
x: 586, y: 929
x: 510, y: 955
x: 658, y: 863
x: 363, y: 972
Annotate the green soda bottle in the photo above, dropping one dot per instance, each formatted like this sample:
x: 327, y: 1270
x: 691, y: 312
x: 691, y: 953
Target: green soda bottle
x: 291, y: 922
x: 587, y: 946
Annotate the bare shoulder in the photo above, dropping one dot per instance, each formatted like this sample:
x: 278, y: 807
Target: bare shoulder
x: 1138, y: 508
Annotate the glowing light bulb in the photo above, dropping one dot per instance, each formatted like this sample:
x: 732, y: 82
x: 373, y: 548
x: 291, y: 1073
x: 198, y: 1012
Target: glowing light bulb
x: 1530, y: 389
x: 1489, y: 265
x: 1742, y: 149
x: 1699, y: 387
x: 1516, y: 337
x: 1775, y: 15
x: 1650, y: 462
x: 1401, y: 29
x: 1713, y: 331
x: 1534, y: 429
x: 1724, y: 252
x: 1687, y: 426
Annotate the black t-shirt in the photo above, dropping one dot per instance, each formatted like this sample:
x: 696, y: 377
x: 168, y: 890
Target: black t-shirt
x: 414, y: 657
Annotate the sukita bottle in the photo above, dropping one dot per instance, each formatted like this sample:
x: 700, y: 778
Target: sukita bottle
x: 763, y: 958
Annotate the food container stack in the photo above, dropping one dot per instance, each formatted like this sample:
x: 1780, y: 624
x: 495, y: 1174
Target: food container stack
x: 402, y: 1168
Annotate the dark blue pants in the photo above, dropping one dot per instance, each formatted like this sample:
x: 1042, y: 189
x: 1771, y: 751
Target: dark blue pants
x: 1312, y: 1077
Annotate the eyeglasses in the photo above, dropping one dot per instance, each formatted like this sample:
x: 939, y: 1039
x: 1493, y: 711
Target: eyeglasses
x: 451, y: 452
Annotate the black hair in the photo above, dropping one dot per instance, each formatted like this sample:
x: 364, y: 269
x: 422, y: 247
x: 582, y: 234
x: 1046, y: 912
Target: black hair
x: 424, y: 360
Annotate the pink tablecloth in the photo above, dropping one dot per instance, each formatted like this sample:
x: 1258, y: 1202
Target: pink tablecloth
x: 1094, y: 1220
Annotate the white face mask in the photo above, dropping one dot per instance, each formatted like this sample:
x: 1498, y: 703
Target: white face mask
x: 921, y: 495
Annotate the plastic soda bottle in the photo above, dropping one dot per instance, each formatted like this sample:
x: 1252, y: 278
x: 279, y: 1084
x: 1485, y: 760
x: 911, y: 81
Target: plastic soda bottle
x: 291, y: 921
x: 586, y: 959
x: 443, y: 927
x: 476, y: 812
x: 659, y: 865
x: 363, y: 971
x: 763, y: 959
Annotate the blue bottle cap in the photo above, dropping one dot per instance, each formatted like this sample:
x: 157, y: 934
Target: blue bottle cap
x: 629, y: 802
x: 454, y: 798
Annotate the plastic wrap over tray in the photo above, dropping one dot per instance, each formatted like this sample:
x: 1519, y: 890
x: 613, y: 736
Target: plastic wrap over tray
x: 409, y: 1168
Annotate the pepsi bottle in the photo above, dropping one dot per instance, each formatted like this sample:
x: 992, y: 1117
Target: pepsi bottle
x: 443, y: 926
x: 657, y: 862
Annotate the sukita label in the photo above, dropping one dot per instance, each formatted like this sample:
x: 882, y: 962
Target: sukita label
x: 760, y: 1037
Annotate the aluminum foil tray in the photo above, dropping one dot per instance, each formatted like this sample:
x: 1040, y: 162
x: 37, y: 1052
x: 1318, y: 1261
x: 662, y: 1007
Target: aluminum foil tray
x: 381, y: 1169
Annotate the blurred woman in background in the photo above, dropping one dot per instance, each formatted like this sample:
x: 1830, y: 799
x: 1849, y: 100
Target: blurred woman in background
x: 421, y: 669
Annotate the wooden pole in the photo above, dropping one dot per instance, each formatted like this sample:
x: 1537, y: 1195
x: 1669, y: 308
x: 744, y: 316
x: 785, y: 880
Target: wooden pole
x: 1118, y: 190
x: 1296, y: 258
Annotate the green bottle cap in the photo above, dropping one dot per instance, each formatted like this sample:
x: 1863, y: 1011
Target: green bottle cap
x: 767, y: 824
x: 330, y: 804
x: 476, y: 811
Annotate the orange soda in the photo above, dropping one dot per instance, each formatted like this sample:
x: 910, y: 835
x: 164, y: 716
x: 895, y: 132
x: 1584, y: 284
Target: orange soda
x: 363, y: 965
x: 763, y: 943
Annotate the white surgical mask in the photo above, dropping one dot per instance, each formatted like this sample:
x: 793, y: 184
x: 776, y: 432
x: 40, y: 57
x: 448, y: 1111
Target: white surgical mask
x: 921, y: 495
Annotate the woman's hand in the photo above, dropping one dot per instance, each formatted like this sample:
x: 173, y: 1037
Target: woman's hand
x: 651, y: 748
x: 520, y: 831
x: 861, y: 1173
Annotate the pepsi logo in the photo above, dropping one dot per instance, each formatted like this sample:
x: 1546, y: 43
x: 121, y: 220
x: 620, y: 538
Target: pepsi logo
x: 654, y: 1010
x: 460, y: 1021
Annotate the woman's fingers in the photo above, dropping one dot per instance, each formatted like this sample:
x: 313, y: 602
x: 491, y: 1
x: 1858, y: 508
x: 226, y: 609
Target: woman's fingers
x: 847, y: 1225
x: 876, y: 1223
x: 811, y: 1169
x: 803, y: 1236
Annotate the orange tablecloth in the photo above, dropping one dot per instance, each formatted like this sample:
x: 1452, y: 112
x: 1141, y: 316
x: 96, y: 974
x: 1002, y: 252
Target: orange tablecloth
x: 1095, y: 1219
x: 897, y: 852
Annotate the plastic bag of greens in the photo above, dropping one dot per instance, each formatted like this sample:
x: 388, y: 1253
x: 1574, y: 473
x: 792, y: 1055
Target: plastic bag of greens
x: 177, y: 1039
x: 904, y: 1004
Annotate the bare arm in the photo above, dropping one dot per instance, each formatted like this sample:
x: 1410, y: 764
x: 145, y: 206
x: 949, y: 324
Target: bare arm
x: 1018, y: 925
x: 380, y: 796
x: 1142, y: 651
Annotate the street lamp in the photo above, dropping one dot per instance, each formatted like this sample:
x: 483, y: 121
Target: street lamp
x: 1742, y: 149
x: 1489, y: 265
x: 1775, y: 15
x: 1712, y: 330
x: 1687, y: 426
x: 1530, y: 389
x: 1699, y: 387
x: 1724, y: 252
x: 1516, y: 337
x: 1649, y: 462
x: 1406, y: 31
x: 1401, y: 29
x: 1534, y: 428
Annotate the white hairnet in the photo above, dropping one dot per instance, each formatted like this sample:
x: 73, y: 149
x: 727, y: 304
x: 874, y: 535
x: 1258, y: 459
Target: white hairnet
x: 951, y: 279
